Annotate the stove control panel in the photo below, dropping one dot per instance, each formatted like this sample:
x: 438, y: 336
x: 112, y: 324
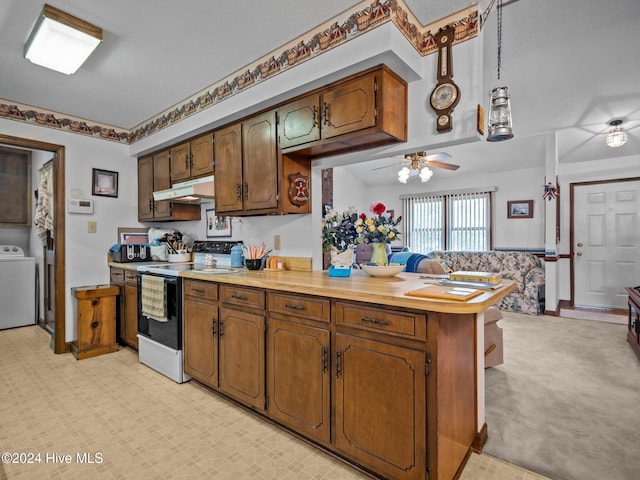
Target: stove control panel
x: 214, y: 246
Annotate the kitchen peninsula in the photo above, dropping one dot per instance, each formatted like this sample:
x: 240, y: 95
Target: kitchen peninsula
x: 390, y: 383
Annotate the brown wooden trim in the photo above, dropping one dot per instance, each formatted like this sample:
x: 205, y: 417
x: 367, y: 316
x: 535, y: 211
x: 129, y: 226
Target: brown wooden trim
x: 60, y: 345
x: 480, y: 439
x: 75, y: 22
x: 550, y: 259
x: 572, y: 221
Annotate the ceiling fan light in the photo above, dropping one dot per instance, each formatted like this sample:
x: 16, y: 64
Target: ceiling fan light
x: 425, y: 174
x: 616, y: 138
x: 60, y: 41
x: 403, y: 175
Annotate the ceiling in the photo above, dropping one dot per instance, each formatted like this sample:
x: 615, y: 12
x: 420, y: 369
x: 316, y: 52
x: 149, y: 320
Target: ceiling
x: 571, y: 65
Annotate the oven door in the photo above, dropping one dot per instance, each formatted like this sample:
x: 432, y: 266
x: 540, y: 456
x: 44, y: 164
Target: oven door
x: 169, y: 332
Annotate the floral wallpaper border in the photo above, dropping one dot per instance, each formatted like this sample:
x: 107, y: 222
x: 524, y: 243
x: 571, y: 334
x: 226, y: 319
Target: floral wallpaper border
x: 331, y: 35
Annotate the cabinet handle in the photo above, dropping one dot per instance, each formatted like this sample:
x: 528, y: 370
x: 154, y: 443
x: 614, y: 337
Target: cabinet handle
x: 186, y: 161
x: 324, y: 360
x: 150, y: 204
x: 239, y: 191
x: 295, y: 307
x: 315, y: 115
x: 213, y: 327
x: 197, y: 290
x: 191, y: 160
x: 374, y: 320
x: 337, y: 364
x: 220, y: 328
x: 239, y: 297
x: 246, y: 190
x: 326, y: 113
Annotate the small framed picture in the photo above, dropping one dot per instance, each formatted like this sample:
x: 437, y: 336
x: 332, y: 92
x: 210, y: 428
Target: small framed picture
x: 217, y: 226
x: 520, y: 209
x: 105, y: 183
x: 326, y: 209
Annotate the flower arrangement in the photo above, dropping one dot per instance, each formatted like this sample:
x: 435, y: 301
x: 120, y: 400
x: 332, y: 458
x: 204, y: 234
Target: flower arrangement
x: 339, y: 229
x: 379, y: 228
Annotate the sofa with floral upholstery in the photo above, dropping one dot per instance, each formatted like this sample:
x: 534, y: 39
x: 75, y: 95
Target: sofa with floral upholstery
x: 524, y: 268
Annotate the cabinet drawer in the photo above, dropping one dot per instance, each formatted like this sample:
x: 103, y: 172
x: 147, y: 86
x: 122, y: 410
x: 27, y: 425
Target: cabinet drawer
x: 130, y: 277
x: 117, y: 276
x: 379, y: 320
x: 205, y: 291
x: 242, y: 296
x: 302, y: 306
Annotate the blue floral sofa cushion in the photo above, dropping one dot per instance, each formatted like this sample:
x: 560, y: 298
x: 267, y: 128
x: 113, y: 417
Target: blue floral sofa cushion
x: 524, y: 268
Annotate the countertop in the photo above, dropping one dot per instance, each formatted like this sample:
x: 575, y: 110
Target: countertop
x: 358, y: 287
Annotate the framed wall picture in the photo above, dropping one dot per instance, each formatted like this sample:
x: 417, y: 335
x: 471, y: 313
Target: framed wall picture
x: 217, y: 226
x: 105, y: 183
x: 520, y: 209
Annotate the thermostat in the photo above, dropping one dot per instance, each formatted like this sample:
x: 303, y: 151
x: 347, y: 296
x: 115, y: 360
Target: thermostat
x: 80, y: 205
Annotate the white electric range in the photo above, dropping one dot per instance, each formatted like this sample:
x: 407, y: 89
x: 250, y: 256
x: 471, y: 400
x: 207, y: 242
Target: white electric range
x: 160, y: 335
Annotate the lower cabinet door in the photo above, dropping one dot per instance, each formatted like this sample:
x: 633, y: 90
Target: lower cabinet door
x: 201, y: 342
x: 131, y: 315
x: 241, y: 360
x: 298, y: 378
x: 380, y: 406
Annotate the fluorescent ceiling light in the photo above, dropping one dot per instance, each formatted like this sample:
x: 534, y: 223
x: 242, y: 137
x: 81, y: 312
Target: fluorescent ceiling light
x: 61, y: 41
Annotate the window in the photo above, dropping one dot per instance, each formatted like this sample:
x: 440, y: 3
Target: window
x: 448, y: 221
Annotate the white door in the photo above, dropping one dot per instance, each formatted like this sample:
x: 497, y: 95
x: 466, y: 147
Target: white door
x: 606, y: 243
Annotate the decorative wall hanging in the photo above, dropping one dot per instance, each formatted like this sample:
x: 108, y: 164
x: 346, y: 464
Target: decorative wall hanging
x: 520, y: 209
x: 105, y: 183
x: 217, y: 226
x: 446, y: 94
x: 550, y: 192
x: 298, y: 189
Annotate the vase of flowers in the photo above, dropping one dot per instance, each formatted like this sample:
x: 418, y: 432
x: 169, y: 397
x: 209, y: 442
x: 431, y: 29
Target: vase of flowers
x: 379, y: 230
x: 338, y: 236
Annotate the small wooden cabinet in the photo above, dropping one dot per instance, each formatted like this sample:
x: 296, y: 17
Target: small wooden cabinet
x: 127, y: 311
x: 250, y: 177
x: 192, y: 159
x: 153, y: 175
x: 95, y: 309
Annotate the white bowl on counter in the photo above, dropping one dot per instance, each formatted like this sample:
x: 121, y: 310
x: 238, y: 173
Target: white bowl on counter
x: 382, y: 270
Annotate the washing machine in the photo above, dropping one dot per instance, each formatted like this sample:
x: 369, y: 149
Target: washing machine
x: 17, y: 288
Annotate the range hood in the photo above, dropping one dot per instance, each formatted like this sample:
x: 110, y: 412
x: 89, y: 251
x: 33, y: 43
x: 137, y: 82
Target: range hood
x: 199, y: 190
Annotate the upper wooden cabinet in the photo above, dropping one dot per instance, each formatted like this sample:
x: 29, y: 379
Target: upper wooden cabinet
x: 192, y: 159
x: 362, y: 111
x: 251, y: 178
x: 15, y: 180
x: 154, y: 175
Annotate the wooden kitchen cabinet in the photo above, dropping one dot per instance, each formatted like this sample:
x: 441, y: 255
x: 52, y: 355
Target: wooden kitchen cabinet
x: 153, y: 175
x: 298, y: 364
x: 363, y: 111
x: 192, y: 159
x: 127, y: 306
x: 380, y: 406
x: 251, y: 178
x: 200, y: 315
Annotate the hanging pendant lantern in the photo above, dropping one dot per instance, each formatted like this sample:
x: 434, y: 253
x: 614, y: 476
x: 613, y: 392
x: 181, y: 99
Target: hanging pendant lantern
x: 500, y: 123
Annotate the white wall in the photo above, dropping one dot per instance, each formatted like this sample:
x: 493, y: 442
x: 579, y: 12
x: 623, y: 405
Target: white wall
x: 86, y: 253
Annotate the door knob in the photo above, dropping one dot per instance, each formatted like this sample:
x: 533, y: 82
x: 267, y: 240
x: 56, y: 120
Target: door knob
x: 579, y: 254
x: 580, y: 244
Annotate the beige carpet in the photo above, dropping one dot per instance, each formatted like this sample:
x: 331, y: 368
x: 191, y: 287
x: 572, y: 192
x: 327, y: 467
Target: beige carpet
x: 136, y: 424
x: 565, y: 401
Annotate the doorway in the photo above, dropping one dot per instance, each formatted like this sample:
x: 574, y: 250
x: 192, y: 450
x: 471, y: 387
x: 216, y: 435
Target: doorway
x: 605, y: 242
x: 59, y: 344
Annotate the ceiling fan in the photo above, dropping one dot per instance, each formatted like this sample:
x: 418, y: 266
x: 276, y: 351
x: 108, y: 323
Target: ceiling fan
x: 418, y: 164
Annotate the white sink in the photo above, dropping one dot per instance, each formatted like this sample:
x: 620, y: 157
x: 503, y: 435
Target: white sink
x: 214, y: 270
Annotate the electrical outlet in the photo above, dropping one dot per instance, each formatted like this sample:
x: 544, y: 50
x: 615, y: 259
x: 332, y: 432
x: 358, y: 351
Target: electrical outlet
x: 276, y: 242
x: 92, y: 227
